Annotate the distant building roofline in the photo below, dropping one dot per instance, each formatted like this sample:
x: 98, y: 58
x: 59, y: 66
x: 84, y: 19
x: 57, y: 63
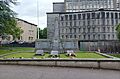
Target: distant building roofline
x: 26, y: 21
x: 79, y: 12
x: 58, y: 2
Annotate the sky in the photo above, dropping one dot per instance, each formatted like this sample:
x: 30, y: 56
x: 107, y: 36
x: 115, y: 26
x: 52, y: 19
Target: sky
x: 27, y: 10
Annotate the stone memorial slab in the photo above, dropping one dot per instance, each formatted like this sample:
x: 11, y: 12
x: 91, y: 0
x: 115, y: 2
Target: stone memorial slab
x: 54, y: 52
x: 39, y: 52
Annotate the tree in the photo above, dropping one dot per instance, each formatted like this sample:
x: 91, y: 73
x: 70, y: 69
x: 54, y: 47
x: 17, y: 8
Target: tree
x: 45, y: 33
x: 118, y: 31
x: 42, y: 33
x: 8, y: 23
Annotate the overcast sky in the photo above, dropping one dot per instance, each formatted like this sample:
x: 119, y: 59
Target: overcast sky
x: 27, y: 10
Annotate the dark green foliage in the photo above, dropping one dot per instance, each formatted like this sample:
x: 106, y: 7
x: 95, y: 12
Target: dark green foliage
x: 7, y: 20
x: 118, y: 31
x: 43, y: 33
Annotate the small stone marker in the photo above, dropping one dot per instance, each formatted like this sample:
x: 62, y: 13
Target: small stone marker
x: 70, y: 53
x: 39, y: 52
x: 54, y: 52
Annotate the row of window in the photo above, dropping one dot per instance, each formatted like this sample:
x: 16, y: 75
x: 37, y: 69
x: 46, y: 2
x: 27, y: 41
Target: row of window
x: 88, y: 30
x: 29, y: 38
x: 90, y: 37
x: 87, y: 0
x: 89, y: 5
x: 97, y: 15
x: 90, y: 22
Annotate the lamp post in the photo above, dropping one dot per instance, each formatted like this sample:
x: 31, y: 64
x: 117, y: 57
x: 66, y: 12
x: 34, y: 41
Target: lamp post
x: 38, y: 18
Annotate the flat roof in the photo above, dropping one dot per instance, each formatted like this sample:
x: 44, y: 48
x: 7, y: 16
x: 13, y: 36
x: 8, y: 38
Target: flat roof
x: 58, y: 2
x: 80, y: 12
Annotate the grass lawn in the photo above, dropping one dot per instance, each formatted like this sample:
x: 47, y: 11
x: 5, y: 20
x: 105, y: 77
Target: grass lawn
x: 89, y: 55
x: 5, y: 50
x: 32, y: 54
x: 115, y: 55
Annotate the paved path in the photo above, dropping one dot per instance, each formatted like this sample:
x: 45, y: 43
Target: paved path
x: 36, y: 72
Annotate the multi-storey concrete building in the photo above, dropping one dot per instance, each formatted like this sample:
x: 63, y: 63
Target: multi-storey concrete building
x: 83, y: 5
x: 91, y: 22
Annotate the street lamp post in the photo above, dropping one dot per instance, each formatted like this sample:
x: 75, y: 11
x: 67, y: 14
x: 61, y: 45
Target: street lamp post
x: 38, y: 18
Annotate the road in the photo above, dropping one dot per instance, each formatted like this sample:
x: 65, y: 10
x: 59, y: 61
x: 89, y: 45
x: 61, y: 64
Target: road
x: 37, y: 72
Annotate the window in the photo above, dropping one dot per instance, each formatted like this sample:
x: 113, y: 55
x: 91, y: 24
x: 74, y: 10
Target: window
x: 75, y: 36
x: 112, y: 21
x: 112, y: 29
x: 79, y: 23
x: 107, y: 15
x: 30, y: 38
x: 98, y: 29
x: 66, y: 36
x: 108, y: 36
x: 103, y: 22
x: 108, y: 22
x: 103, y: 29
x: 93, y: 29
x: 74, y: 23
x: 70, y: 17
x: 83, y: 29
x: 93, y: 36
x: 62, y: 36
x: 83, y: 23
x: 102, y: 15
x: 88, y: 30
x: 104, y: 36
x: 62, y: 18
x: 116, y: 21
x: 119, y: 15
x: 88, y: 37
x: 70, y: 30
x: 98, y: 15
x: 83, y: 16
x: 108, y: 29
x: 99, y: 36
x: 113, y: 36
x: 74, y: 17
x: 111, y: 15
x: 74, y: 30
x: 79, y: 36
x: 79, y: 30
x: 116, y: 15
x: 66, y: 23
x: 70, y: 36
x: 66, y: 17
x: 84, y: 37
x: 88, y: 15
x: 93, y: 15
x: 88, y: 22
x: 79, y: 16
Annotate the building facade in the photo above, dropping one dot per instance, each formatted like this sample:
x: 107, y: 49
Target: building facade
x: 83, y: 5
x: 91, y: 24
x: 29, y: 31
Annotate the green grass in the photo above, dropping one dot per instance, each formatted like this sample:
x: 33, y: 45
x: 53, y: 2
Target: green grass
x: 89, y: 55
x: 32, y: 54
x: 115, y: 55
x: 18, y: 55
x: 28, y: 53
x: 6, y: 50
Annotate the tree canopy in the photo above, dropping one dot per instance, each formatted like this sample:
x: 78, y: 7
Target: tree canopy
x: 42, y: 33
x: 8, y: 23
x: 118, y: 31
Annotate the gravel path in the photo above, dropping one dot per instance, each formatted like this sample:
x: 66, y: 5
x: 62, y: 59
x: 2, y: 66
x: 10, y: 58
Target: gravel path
x: 37, y: 72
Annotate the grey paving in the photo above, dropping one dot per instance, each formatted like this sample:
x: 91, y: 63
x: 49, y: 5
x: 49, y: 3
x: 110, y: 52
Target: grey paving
x: 37, y: 72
